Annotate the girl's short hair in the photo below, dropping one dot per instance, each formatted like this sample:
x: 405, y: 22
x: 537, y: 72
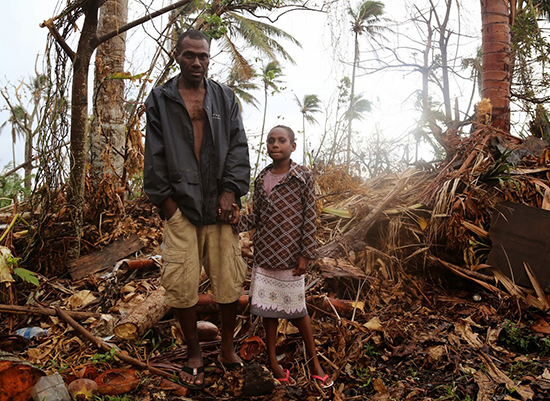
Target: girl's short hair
x: 287, y: 129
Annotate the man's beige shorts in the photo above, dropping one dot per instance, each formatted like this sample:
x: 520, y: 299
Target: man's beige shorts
x: 187, y: 248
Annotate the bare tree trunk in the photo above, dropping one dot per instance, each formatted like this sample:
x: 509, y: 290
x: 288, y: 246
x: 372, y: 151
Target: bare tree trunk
x: 352, y: 100
x: 79, y: 123
x: 496, y: 60
x: 108, y: 139
x: 261, y: 145
x: 28, y: 159
x: 304, y: 157
x: 444, y: 36
x: 427, y: 113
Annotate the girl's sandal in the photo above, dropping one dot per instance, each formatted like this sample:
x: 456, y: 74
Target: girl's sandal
x: 287, y: 380
x: 323, y: 381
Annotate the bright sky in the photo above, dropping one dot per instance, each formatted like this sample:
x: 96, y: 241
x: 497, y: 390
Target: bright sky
x: 315, y: 71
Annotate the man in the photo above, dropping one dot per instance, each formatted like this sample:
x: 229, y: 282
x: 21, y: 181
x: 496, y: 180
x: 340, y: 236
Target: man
x: 196, y: 168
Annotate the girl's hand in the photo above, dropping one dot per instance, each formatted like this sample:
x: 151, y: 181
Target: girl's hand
x: 301, y: 266
x: 236, y: 213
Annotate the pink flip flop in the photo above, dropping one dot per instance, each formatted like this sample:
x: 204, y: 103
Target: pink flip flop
x: 323, y: 380
x: 287, y: 379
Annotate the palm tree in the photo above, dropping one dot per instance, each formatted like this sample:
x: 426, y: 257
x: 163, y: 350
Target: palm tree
x: 242, y: 88
x: 262, y: 38
x: 18, y: 119
x: 270, y: 78
x: 364, y: 20
x: 355, y: 112
x: 495, y: 35
x: 25, y: 124
x: 309, y: 106
x: 359, y: 107
x: 496, y: 17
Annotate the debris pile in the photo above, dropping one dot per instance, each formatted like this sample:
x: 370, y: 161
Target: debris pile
x: 405, y: 303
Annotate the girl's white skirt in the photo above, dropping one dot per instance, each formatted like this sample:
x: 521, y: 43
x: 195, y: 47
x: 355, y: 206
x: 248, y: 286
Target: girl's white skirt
x: 277, y: 293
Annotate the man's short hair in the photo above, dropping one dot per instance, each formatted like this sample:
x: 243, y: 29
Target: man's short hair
x: 193, y: 34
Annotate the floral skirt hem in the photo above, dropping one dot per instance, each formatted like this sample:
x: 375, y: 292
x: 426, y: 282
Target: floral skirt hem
x: 277, y: 294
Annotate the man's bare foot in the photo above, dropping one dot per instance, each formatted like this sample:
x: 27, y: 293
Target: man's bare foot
x: 192, y: 375
x: 230, y: 362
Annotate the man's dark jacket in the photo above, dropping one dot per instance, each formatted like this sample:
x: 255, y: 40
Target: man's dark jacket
x: 170, y: 165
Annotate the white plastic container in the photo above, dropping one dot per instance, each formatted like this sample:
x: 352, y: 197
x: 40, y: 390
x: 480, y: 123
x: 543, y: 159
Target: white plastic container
x: 32, y: 332
x: 50, y: 388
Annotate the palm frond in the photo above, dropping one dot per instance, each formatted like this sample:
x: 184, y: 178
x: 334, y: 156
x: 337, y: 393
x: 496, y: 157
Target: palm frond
x: 260, y: 36
x: 239, y: 65
x: 358, y: 108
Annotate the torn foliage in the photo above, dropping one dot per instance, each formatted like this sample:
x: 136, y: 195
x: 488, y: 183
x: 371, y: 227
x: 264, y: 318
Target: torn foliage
x: 404, y: 307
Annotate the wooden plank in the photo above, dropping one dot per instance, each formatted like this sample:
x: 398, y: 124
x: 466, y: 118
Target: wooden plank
x: 521, y: 234
x: 106, y: 257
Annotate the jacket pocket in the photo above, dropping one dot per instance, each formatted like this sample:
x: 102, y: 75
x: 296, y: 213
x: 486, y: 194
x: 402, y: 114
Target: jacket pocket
x: 191, y: 176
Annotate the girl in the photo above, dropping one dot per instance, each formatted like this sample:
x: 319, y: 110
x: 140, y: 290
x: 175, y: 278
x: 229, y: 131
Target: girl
x: 284, y: 218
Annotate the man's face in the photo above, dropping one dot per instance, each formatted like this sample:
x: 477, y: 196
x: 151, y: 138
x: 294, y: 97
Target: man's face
x: 193, y: 59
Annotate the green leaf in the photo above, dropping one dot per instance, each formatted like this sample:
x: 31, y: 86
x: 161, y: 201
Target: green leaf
x: 26, y: 275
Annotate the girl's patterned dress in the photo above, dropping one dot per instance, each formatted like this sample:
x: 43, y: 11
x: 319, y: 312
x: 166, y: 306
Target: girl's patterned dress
x: 276, y: 293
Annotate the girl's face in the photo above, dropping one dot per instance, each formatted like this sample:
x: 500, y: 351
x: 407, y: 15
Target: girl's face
x: 279, y: 144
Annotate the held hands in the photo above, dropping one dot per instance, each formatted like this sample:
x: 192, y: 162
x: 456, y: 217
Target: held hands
x: 301, y: 266
x: 234, y: 216
x: 228, y: 210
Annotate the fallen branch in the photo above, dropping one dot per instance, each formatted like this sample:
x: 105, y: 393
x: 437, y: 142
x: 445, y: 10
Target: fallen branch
x: 107, y: 348
x: 356, y: 235
x: 334, y: 304
x: 32, y: 310
x: 476, y: 277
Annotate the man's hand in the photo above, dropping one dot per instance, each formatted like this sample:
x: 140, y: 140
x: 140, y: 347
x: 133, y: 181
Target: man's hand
x: 227, y: 210
x: 169, y: 207
x: 301, y: 266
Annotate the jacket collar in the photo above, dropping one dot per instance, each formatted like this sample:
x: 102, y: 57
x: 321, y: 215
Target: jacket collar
x: 171, y: 90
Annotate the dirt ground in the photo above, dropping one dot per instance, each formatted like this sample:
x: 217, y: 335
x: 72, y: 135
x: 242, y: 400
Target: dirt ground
x: 440, y: 338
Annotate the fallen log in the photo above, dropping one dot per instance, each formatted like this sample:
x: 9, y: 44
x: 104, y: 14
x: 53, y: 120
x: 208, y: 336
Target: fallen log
x: 143, y: 317
x: 332, y: 268
x: 105, y: 258
x: 32, y: 310
x: 150, y: 311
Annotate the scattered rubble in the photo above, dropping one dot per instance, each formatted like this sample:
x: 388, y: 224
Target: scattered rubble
x: 407, y: 302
